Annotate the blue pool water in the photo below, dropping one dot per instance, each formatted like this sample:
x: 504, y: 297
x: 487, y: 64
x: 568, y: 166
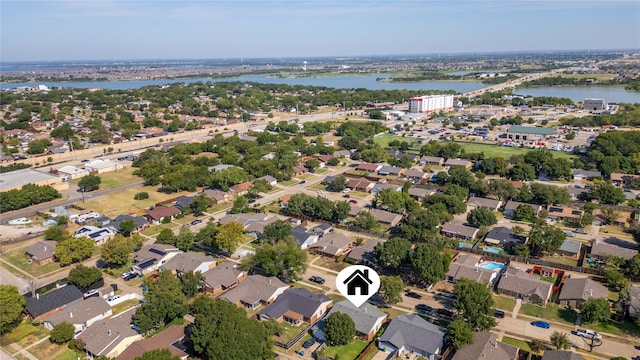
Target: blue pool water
x: 492, y: 266
x: 492, y: 250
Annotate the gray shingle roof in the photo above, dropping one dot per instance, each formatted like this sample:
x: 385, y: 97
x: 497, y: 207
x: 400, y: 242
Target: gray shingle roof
x: 582, y: 289
x: 486, y: 346
x: 223, y: 275
x: 570, y: 246
x: 414, y: 331
x: 561, y: 355
x: 186, y: 262
x: 103, y: 336
x: 42, y: 304
x: 521, y: 282
x: 42, y: 249
x: 80, y: 311
x: 254, y: 288
x: 298, y: 300
x: 364, y: 317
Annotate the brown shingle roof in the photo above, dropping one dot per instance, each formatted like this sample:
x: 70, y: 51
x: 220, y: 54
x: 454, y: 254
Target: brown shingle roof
x: 41, y: 250
x: 486, y: 346
x: 163, y: 340
x: 160, y: 212
x: 245, y: 186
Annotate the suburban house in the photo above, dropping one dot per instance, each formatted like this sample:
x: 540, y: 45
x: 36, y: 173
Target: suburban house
x: 367, y: 318
x: 110, y: 337
x: 467, y: 266
x: 360, y: 184
x: 457, y: 230
x: 184, y: 203
x: 386, y: 217
x: 415, y: 175
x: 363, y: 254
x: 41, y: 252
x: 486, y: 346
x: 370, y: 168
x: 562, y: 213
x: 80, y: 313
x: 577, y: 193
x: 150, y: 257
x: 579, y: 174
x: 158, y: 213
x: 459, y: 162
x: 478, y: 202
x: 256, y: 229
x: 140, y: 222
x: 379, y: 187
x: 323, y: 229
x: 303, y: 237
x: 501, y: 235
x: 42, y: 306
x: 241, y: 189
x: 255, y: 290
x: 217, y: 196
x: 166, y: 339
x: 391, y: 170
x: 189, y: 262
x: 522, y: 285
x: 295, y: 306
x: 299, y: 170
x: 268, y: 179
x: 620, y: 179
x: 342, y: 154
x: 512, y: 205
x: 570, y: 248
x: 431, y: 160
x: 419, y: 193
x: 333, y: 245
x: 223, y: 277
x: 324, y: 159
x: 97, y: 234
x: 412, y: 334
x: 575, y: 291
x: 561, y: 355
x: 613, y: 247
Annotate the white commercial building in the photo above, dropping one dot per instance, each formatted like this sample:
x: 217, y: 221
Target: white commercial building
x: 430, y: 103
x: 101, y: 166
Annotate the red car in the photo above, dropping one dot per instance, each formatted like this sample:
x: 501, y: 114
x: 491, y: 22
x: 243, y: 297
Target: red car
x: 154, y: 276
x: 353, y: 201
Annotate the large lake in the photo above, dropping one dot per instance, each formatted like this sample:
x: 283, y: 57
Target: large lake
x: 610, y: 94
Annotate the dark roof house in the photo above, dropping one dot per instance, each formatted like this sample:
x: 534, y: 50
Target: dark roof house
x: 296, y: 305
x: 575, y: 291
x: 43, y: 305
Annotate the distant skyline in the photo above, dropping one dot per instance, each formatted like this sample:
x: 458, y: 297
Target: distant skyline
x: 152, y: 29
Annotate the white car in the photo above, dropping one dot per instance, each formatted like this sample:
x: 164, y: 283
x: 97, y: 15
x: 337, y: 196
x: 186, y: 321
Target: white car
x: 347, y: 190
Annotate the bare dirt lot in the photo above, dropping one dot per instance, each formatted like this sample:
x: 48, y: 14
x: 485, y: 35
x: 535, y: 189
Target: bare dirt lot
x: 8, y: 232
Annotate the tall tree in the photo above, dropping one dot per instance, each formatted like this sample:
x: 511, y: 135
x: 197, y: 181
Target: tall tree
x: 191, y: 283
x: 89, y: 182
x: 200, y: 204
x: 127, y: 226
x: 502, y: 189
x: 595, y: 310
x: 545, y: 238
x: 73, y: 250
x: 11, y: 309
x: 276, y: 231
x: 283, y: 259
x: 117, y: 251
x: 166, y: 236
x: 339, y: 329
x: 240, y: 205
x: 459, y: 333
x: 229, y: 236
x: 83, y: 276
x: 560, y: 340
x: 391, y: 288
x: 184, y: 240
x: 474, y: 302
x: 429, y: 265
x: 164, y: 301
x: 392, y: 252
x: 56, y: 233
x: 482, y: 216
x: 62, y: 333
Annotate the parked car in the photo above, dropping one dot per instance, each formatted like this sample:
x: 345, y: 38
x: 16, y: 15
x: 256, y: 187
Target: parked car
x: 135, y: 327
x: 424, y: 308
x: 499, y: 314
x: 541, y: 324
x: 589, y: 334
x: 581, y: 231
x: 300, y: 352
x: 309, y: 343
x: 130, y: 276
x: 302, y: 181
x: 125, y: 274
x: 154, y: 276
x: 353, y: 201
x: 445, y: 312
x: 414, y: 295
x: 90, y: 293
x: 196, y: 221
x: 317, y: 280
x: 570, y: 234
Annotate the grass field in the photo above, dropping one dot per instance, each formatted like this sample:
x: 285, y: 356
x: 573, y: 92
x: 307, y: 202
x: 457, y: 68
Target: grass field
x: 385, y: 139
x: 115, y: 179
x: 517, y: 343
x: 551, y: 312
x: 19, y: 259
x: 490, y: 150
x: 24, y: 334
x: 349, y: 351
x: 599, y: 77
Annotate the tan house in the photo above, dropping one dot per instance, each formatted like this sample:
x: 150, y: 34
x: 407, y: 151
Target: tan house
x: 110, y: 337
x: 334, y: 244
x: 562, y: 213
x: 522, y: 285
x: 575, y: 291
x: 223, y: 277
x: 255, y: 290
x: 459, y: 162
x: 241, y: 189
x: 457, y: 230
x: 158, y: 213
x: 296, y: 306
x: 189, y: 262
x: 386, y: 217
x: 478, y: 202
x: 218, y: 196
x: 166, y: 339
x: 360, y: 184
x: 467, y: 266
x: 486, y: 346
x: 41, y: 252
x: 620, y: 179
x: 367, y: 318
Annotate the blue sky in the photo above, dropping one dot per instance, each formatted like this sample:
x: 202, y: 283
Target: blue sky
x: 155, y: 29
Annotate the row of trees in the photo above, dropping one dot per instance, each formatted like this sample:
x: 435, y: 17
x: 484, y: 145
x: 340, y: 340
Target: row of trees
x: 28, y: 195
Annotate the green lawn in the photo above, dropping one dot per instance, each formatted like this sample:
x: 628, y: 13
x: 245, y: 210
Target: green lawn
x: 305, y: 177
x: 318, y: 187
x: 155, y: 229
x: 358, y: 194
x: 491, y: 150
x: 288, y: 183
x: 349, y: 351
x: 115, y: 179
x: 124, y: 306
x: 321, y: 171
x: 393, y: 312
x: 625, y: 328
x: 504, y: 303
x: 25, y: 331
x: 553, y: 312
x: 290, y: 331
x: 517, y: 343
x: 67, y: 355
x: 19, y: 259
x: 385, y: 139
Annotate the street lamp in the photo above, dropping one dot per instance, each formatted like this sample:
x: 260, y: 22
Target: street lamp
x: 82, y: 192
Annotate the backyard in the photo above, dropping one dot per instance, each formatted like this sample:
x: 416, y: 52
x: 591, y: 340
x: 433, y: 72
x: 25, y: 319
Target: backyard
x: 349, y: 351
x: 20, y: 259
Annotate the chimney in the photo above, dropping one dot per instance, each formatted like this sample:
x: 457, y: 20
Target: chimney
x: 590, y: 292
x: 70, y: 314
x: 38, y: 296
x: 45, y: 248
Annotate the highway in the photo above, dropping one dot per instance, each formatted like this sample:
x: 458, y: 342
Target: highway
x: 512, y: 83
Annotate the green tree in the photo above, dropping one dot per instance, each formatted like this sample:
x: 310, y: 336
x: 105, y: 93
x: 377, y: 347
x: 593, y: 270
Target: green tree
x: 545, y: 238
x: 89, y: 182
x: 83, y: 276
x: 502, y: 189
x: 73, y: 250
x: 429, y: 265
x: 560, y: 340
x: 524, y: 212
x: 223, y: 331
x: 166, y: 236
x: 11, y: 309
x: 191, y: 282
x: 117, y: 251
x: 38, y: 146
x: 595, y: 310
x: 240, y: 205
x: 338, y: 183
x: 283, y: 259
x: 200, y: 204
x: 339, y: 329
x: 164, y: 301
x: 474, y: 302
x: 184, y: 240
x: 127, y: 227
x: 276, y: 231
x: 207, y: 235
x: 56, y: 233
x: 606, y: 193
x: 229, y: 236
x: 391, y: 288
x: 312, y: 164
x: 158, y: 354
x: 141, y: 196
x: 365, y: 220
x: 392, y: 252
x: 522, y: 172
x: 62, y: 333
x: 482, y: 216
x: 419, y: 225
x: 459, y: 333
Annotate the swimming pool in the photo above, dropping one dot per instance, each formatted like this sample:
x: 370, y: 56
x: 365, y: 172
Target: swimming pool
x: 491, y: 266
x: 492, y: 250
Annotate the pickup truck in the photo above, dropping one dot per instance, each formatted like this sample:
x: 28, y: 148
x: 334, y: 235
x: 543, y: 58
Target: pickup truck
x: 589, y: 334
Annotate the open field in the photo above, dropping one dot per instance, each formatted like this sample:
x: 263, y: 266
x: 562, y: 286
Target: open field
x: 490, y: 150
x: 385, y: 139
x: 20, y: 259
x: 599, y: 77
x: 116, y: 179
